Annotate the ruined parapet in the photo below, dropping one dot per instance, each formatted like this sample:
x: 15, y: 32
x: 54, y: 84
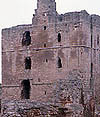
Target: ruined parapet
x: 74, y: 16
x: 45, y: 12
x: 96, y: 20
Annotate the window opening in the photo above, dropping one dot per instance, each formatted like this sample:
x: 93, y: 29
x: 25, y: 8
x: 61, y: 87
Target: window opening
x: 39, y: 80
x: 59, y: 63
x: 45, y: 27
x: 46, y: 60
x: 25, y: 93
x: 45, y: 45
x: 60, y: 19
x: 97, y: 39
x: 59, y: 37
x: 76, y: 26
x: 45, y: 92
x: 28, y: 63
x: 45, y: 14
x: 91, y: 69
x: 26, y: 41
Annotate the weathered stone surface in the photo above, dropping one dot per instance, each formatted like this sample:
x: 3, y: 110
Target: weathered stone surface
x: 76, y: 74
x: 32, y: 109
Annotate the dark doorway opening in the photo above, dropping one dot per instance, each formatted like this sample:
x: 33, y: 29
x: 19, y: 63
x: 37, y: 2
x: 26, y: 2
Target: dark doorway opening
x: 27, y: 63
x: 26, y: 41
x: 45, y: 45
x: 59, y: 37
x: 59, y: 63
x: 25, y: 93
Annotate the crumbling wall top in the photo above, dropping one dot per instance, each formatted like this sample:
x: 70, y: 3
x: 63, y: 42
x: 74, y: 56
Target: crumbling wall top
x: 95, y: 19
x: 17, y: 27
x: 74, y: 16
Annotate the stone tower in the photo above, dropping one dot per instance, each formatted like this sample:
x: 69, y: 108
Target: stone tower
x: 53, y: 48
x: 45, y: 12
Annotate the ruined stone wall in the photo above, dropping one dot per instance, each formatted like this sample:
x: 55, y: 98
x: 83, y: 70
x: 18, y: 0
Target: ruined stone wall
x: 30, y: 109
x: 44, y: 59
x: 74, y: 49
x: 96, y: 55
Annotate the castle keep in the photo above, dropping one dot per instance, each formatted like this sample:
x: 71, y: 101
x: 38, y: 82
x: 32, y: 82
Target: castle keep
x: 55, y: 57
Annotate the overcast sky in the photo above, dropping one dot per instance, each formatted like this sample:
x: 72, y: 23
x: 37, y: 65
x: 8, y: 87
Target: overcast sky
x: 16, y: 12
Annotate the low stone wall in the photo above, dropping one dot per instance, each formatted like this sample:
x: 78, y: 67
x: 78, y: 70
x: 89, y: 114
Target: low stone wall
x: 27, y: 108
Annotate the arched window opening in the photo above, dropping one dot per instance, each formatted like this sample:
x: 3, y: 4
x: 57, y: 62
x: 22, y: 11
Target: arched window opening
x: 25, y: 92
x: 59, y: 37
x: 59, y: 63
x: 98, y: 40
x: 26, y: 41
x: 28, y: 63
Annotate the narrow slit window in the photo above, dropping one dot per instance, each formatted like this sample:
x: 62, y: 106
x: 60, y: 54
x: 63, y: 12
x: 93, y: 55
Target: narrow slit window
x: 91, y: 69
x: 59, y: 63
x: 25, y: 92
x: 45, y: 27
x: 28, y: 63
x: 46, y: 60
x: 26, y: 41
x: 98, y: 40
x: 59, y: 37
x: 39, y: 80
x: 45, y: 92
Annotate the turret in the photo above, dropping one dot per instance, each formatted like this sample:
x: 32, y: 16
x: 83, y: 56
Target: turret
x: 46, y: 6
x: 45, y: 12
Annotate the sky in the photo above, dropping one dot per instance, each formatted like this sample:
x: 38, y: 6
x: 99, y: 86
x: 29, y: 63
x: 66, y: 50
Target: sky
x: 16, y: 12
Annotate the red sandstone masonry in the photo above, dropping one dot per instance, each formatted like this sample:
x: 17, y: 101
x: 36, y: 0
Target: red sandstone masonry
x: 74, y: 50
